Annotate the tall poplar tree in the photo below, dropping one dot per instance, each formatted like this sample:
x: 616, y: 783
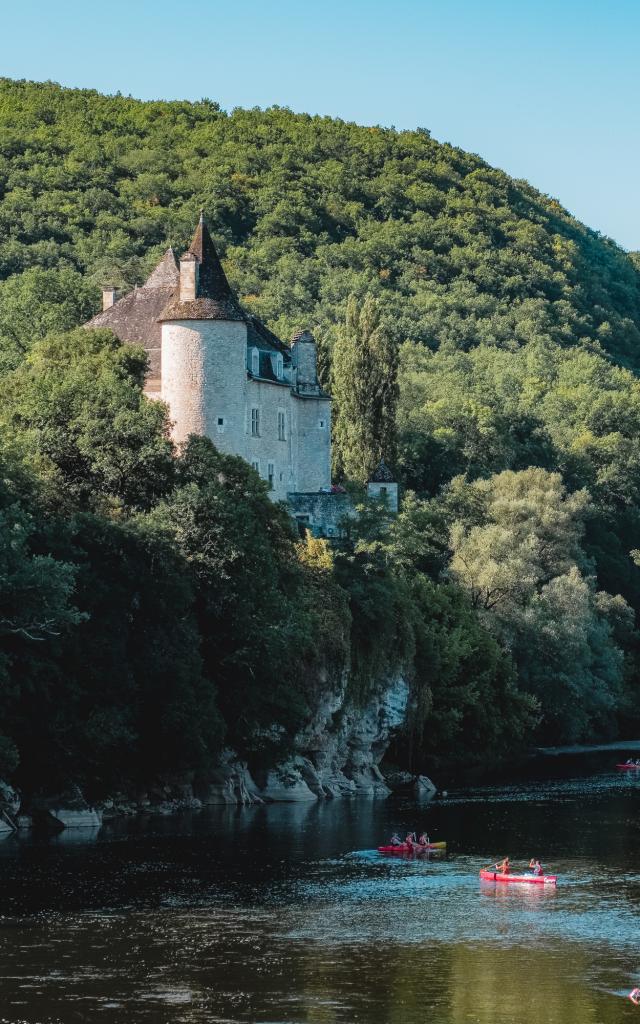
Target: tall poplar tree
x: 365, y: 392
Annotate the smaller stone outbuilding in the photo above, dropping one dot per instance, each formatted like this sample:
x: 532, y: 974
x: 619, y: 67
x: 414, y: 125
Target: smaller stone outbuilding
x: 383, y: 486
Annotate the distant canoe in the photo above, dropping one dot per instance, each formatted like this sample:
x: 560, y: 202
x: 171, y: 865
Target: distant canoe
x: 414, y: 848
x: 628, y: 767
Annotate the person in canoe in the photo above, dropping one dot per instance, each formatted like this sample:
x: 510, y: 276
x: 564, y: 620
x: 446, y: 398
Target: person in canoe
x: 423, y: 840
x: 395, y: 840
x: 410, y: 840
x: 504, y: 867
x: 536, y: 867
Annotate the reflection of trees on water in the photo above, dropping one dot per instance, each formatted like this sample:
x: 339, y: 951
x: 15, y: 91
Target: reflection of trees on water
x: 451, y: 985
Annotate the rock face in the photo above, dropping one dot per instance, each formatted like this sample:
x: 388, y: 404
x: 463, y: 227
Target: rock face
x: 229, y: 783
x: 66, y: 810
x: 336, y: 755
x: 340, y: 751
x: 9, y: 807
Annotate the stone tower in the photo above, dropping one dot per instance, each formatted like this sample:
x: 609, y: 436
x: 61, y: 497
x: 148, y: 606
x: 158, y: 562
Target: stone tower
x: 381, y: 485
x: 204, y: 347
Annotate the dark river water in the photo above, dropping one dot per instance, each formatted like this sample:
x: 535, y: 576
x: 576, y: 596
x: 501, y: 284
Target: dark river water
x: 286, y: 914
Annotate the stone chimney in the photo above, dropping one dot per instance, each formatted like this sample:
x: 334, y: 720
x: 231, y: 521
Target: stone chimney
x: 304, y: 359
x: 188, y: 277
x: 108, y: 298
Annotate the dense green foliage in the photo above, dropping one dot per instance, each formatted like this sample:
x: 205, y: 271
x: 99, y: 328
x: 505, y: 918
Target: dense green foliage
x: 308, y: 210
x: 364, y: 387
x: 152, y: 607
x: 515, y: 411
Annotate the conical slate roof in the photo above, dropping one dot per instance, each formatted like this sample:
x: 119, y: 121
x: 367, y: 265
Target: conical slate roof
x: 381, y: 474
x: 214, y: 299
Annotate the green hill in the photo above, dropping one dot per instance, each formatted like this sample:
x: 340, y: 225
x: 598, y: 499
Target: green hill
x: 307, y: 209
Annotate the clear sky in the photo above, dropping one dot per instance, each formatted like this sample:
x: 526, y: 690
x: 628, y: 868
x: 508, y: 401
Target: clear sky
x: 547, y: 90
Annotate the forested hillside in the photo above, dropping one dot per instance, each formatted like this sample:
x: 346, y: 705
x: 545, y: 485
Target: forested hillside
x: 306, y: 210
x: 508, y: 585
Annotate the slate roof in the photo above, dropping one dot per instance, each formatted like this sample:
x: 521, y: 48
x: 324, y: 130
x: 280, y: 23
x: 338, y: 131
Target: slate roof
x: 134, y: 318
x: 261, y: 337
x: 137, y: 317
x: 214, y: 300
x: 381, y: 474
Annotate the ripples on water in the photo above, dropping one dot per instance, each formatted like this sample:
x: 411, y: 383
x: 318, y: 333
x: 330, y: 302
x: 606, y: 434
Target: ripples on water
x: 287, y: 914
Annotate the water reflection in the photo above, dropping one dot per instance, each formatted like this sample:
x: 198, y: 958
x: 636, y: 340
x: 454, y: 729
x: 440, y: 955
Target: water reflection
x: 287, y: 914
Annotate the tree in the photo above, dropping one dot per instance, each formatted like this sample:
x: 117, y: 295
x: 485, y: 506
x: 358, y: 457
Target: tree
x: 518, y: 557
x: 40, y: 302
x: 365, y: 391
x: 76, y: 410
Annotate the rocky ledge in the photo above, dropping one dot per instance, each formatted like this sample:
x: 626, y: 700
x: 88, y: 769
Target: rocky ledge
x: 337, y: 755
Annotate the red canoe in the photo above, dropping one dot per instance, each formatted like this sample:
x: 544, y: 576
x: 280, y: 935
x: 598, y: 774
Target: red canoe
x: 628, y: 767
x: 414, y: 848
x: 495, y: 876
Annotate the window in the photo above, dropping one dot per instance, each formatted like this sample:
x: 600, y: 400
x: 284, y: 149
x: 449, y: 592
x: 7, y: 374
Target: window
x: 255, y: 422
x: 282, y: 428
x: 383, y: 491
x: 255, y: 465
x: 270, y: 474
x: 221, y: 424
x: 255, y: 362
x: 279, y: 367
x: 321, y: 424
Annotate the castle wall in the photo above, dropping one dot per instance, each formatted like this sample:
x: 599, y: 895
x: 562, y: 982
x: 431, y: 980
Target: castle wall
x: 386, y: 491
x: 205, y: 384
x: 311, y: 448
x: 324, y: 515
x: 268, y: 448
x: 204, y: 380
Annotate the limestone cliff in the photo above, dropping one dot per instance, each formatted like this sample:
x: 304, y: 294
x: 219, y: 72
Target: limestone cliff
x: 337, y: 754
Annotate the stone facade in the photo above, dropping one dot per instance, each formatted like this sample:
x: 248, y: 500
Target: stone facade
x: 204, y: 380
x: 323, y: 514
x: 383, y: 487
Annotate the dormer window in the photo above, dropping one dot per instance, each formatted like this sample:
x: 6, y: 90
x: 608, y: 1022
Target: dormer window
x: 255, y: 362
x: 279, y: 366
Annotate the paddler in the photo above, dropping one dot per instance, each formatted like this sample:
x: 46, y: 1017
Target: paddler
x: 423, y: 840
x: 503, y: 867
x: 396, y: 840
x: 536, y: 867
x: 409, y: 841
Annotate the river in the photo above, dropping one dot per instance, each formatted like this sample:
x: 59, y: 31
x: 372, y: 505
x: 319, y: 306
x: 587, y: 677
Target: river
x: 286, y: 914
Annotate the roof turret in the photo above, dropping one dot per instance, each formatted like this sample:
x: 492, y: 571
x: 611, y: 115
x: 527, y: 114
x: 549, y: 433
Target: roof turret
x: 214, y: 299
x: 381, y: 474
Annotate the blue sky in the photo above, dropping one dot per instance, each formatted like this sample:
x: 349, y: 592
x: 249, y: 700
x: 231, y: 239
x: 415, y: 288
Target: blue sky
x: 548, y: 91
